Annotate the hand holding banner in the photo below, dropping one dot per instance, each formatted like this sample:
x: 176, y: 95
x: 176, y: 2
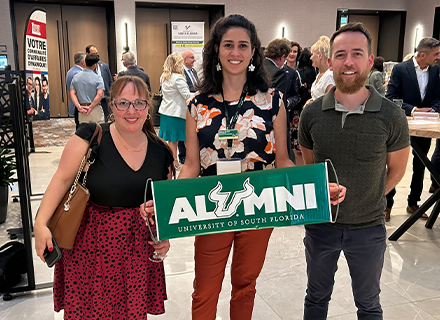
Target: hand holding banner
x: 242, y: 201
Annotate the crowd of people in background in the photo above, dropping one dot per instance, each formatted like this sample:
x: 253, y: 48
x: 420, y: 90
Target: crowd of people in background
x: 326, y: 101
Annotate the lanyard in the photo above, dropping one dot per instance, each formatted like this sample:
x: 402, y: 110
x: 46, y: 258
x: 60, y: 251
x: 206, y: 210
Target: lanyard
x: 230, y: 123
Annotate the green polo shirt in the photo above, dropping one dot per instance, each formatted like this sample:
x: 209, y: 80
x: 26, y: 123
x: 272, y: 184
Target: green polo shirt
x: 358, y: 150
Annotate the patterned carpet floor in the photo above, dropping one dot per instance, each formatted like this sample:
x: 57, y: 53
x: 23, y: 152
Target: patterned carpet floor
x: 53, y: 132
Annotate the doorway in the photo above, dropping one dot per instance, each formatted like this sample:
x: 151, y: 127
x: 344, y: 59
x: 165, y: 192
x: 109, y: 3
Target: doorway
x: 153, y: 33
x: 387, y: 29
x: 70, y: 29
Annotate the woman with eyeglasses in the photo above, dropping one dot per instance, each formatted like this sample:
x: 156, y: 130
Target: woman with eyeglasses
x: 107, y: 273
x: 175, y: 93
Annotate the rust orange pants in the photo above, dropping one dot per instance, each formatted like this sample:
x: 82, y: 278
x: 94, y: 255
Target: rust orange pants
x: 211, y: 256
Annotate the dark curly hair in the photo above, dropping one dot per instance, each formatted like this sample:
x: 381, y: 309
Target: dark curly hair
x: 212, y: 81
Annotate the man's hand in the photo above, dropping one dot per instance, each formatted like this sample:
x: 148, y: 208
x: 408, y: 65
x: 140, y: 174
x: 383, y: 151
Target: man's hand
x: 336, y: 198
x: 423, y: 110
x: 85, y: 109
x: 82, y: 109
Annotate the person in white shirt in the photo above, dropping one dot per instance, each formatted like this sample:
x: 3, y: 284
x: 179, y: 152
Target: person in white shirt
x: 324, y: 80
x: 175, y: 93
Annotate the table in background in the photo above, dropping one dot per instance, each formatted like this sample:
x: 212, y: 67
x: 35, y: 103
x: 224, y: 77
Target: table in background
x: 428, y: 130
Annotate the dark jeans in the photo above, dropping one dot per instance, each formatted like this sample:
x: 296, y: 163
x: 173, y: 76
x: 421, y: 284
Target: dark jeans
x: 76, y: 115
x: 105, y: 108
x: 364, y: 250
x: 182, y: 151
x: 436, y: 161
x: 416, y: 187
x: 390, y: 198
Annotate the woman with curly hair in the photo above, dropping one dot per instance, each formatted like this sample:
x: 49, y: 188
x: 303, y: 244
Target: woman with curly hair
x: 234, y: 94
x: 324, y: 81
x: 235, y: 98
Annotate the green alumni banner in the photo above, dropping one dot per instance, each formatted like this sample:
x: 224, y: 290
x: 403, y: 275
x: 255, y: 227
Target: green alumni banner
x: 242, y: 201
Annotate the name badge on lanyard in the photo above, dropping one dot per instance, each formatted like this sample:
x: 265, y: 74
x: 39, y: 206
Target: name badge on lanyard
x: 229, y: 165
x: 228, y: 134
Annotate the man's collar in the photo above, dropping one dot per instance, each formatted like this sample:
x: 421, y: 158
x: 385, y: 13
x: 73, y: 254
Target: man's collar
x: 374, y: 102
x: 416, y: 64
x: 273, y: 62
x: 186, y: 68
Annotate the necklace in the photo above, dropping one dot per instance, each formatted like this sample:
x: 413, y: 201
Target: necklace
x: 124, y: 145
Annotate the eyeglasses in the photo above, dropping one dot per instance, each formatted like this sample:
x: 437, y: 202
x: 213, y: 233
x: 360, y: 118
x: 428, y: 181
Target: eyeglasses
x: 123, y: 105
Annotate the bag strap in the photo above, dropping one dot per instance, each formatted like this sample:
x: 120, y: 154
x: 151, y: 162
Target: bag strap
x: 97, y: 135
x: 86, y: 159
x: 299, y: 77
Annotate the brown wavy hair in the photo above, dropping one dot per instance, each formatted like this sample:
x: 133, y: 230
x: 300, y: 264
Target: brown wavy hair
x: 277, y: 48
x: 212, y: 81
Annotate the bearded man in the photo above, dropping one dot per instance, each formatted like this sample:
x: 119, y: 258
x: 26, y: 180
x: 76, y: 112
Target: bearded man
x: 363, y: 134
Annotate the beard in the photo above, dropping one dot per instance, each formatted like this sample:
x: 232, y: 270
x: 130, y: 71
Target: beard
x: 350, y: 86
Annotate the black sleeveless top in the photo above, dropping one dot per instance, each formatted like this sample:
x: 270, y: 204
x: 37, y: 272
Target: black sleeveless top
x: 111, y: 181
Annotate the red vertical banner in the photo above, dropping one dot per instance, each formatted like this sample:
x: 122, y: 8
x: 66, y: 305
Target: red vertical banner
x: 37, y: 80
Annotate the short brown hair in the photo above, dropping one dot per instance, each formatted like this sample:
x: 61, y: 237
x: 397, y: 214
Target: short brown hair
x: 352, y: 27
x: 277, y: 48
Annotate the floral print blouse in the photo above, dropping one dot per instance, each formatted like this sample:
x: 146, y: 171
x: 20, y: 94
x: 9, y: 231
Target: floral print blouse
x: 255, y: 145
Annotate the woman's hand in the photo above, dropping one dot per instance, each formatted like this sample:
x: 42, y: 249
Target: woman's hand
x: 161, y: 248
x: 147, y: 211
x: 43, y: 239
x: 334, y: 197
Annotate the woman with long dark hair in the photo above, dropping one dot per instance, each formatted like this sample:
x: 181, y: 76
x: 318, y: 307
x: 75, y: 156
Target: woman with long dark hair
x: 307, y: 74
x: 235, y: 97
x: 38, y: 99
x: 234, y: 82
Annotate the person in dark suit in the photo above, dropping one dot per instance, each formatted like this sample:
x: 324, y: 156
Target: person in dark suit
x: 276, y: 54
x: 129, y: 61
x: 193, y: 81
x: 190, y: 73
x: 104, y: 71
x: 416, y: 82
